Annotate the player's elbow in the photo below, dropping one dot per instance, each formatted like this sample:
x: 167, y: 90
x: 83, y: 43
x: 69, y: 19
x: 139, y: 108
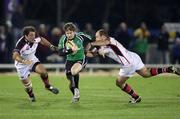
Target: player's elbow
x: 14, y: 55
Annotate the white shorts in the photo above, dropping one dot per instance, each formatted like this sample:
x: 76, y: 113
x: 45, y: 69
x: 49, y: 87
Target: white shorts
x: 137, y: 64
x: 24, y: 70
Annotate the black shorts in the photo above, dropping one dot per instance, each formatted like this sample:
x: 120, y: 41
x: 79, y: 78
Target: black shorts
x: 69, y: 64
x: 34, y: 66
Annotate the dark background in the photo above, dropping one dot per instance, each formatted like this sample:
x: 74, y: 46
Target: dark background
x: 98, y: 11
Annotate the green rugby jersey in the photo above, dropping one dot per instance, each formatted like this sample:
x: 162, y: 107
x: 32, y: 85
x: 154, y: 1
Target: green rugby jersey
x: 80, y: 39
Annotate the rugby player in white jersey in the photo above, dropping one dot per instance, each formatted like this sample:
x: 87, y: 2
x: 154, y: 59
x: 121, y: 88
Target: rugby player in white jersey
x: 129, y: 63
x: 26, y: 61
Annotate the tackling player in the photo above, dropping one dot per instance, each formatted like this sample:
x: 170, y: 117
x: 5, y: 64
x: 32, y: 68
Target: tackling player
x: 129, y: 62
x: 72, y: 44
x: 26, y: 61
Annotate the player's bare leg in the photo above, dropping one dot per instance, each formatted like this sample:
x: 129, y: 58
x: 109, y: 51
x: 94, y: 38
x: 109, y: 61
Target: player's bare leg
x: 149, y: 72
x: 144, y: 72
x: 76, y: 68
x: 28, y: 88
x: 120, y: 82
x: 44, y: 76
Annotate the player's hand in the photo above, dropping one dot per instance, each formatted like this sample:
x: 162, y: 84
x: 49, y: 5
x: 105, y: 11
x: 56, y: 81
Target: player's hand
x: 101, y: 52
x: 54, y: 48
x: 27, y: 62
x: 89, y: 54
x: 74, y: 49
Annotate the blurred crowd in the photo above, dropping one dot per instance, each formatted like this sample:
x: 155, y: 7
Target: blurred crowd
x: 155, y: 46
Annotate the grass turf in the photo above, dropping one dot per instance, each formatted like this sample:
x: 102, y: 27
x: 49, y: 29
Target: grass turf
x: 100, y: 98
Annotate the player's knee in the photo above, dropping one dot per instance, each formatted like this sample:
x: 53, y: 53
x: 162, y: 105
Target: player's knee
x: 119, y: 83
x: 74, y: 71
x: 44, y: 75
x: 28, y: 85
x: 146, y: 74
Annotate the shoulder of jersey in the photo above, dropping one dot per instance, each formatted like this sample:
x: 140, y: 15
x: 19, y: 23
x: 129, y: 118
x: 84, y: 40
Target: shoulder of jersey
x: 63, y: 37
x: 83, y: 34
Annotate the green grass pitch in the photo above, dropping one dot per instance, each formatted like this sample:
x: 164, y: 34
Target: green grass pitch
x: 100, y: 98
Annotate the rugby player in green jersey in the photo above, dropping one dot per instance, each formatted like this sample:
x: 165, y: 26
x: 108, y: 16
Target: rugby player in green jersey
x: 72, y: 45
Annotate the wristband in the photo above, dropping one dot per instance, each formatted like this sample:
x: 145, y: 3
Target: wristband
x: 51, y: 46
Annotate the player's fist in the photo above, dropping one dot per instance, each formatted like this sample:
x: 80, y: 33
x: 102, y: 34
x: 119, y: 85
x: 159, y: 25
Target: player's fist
x: 74, y: 49
x: 71, y: 45
x: 27, y: 62
x: 89, y: 54
x: 101, y: 52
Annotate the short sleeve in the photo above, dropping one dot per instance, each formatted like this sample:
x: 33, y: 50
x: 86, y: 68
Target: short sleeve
x: 62, y: 42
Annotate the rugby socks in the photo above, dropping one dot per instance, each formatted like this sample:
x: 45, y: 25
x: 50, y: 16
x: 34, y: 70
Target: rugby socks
x: 69, y: 76
x: 45, y: 81
x: 72, y: 90
x: 75, y: 83
x: 127, y: 88
x: 28, y: 88
x: 156, y: 71
x: 71, y: 79
x: 29, y: 92
x: 76, y: 80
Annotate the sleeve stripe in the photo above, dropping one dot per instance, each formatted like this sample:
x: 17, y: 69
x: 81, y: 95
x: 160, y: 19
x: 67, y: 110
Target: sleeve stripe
x: 81, y: 38
x: 62, y: 42
x: 86, y: 35
x: 19, y: 41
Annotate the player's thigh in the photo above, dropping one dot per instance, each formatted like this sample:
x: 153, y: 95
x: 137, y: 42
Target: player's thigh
x: 68, y: 66
x: 23, y: 72
x: 127, y: 71
x: 26, y: 81
x: 76, y: 68
x: 140, y: 68
x: 39, y: 68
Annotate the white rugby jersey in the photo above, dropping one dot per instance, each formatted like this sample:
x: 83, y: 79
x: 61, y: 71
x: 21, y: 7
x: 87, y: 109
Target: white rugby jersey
x: 27, y: 49
x: 117, y: 52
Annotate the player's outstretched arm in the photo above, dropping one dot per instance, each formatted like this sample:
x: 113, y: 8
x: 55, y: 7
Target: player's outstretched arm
x: 46, y: 43
x: 91, y: 51
x: 103, y: 51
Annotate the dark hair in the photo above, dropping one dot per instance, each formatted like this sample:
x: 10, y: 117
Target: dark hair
x: 103, y: 32
x: 28, y: 29
x: 69, y: 26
